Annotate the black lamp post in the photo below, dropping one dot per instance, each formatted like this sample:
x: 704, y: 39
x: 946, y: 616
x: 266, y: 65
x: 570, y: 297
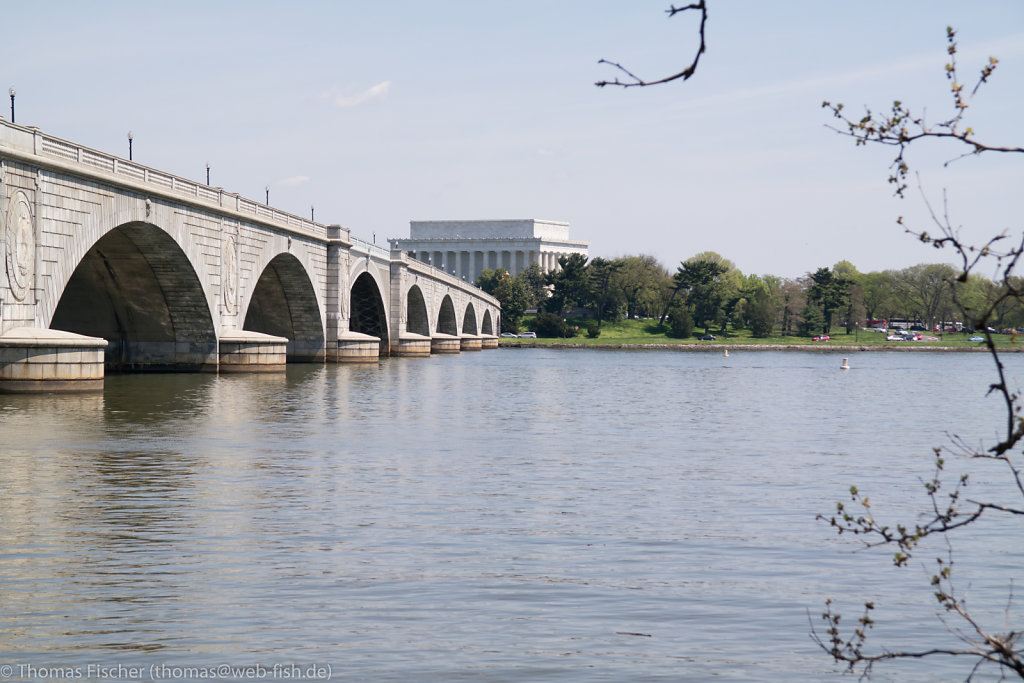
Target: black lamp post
x: 207, y: 173
x: 129, y: 145
x: 311, y: 213
x: 11, y: 91
x: 267, y: 188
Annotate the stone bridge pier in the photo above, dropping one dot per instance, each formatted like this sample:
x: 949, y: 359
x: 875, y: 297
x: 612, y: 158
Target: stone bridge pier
x: 109, y: 265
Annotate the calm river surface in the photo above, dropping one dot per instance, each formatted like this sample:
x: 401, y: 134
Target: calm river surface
x: 511, y: 515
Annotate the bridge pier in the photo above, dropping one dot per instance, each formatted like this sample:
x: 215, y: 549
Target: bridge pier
x: 356, y: 347
x: 471, y: 342
x: 34, y: 360
x: 488, y: 341
x: 413, y: 345
x: 445, y: 343
x: 246, y: 351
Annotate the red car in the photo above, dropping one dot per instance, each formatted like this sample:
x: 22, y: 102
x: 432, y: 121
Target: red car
x: 823, y: 337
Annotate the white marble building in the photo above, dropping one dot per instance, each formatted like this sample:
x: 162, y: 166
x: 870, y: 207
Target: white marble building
x: 465, y: 248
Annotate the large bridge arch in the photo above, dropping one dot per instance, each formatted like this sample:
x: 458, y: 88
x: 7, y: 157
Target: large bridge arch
x: 367, y: 312
x: 469, y: 320
x: 283, y: 303
x: 417, y: 319
x: 488, y: 324
x: 446, y: 321
x: 136, y: 288
x: 63, y: 258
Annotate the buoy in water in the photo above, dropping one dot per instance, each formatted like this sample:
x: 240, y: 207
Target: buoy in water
x: 727, y: 353
x: 845, y: 365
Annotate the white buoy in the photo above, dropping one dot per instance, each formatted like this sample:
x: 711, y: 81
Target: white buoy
x: 727, y: 353
x: 845, y: 365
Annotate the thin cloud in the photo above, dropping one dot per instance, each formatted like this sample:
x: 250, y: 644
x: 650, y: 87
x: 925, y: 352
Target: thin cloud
x: 295, y: 180
x: 342, y: 101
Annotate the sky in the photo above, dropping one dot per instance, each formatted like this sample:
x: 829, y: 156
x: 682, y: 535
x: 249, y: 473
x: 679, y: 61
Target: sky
x: 378, y: 113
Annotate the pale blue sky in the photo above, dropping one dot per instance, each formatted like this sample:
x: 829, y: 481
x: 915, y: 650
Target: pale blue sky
x: 379, y: 113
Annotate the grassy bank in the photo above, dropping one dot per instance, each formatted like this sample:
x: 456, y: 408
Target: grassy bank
x: 647, y: 332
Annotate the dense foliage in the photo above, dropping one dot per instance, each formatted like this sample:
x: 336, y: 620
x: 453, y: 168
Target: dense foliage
x: 718, y: 296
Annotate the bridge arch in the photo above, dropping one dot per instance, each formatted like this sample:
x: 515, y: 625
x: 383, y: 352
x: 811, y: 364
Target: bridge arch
x: 135, y: 287
x: 417, y: 320
x: 284, y: 303
x: 367, y: 313
x: 469, y: 320
x: 488, y: 326
x: 446, y: 321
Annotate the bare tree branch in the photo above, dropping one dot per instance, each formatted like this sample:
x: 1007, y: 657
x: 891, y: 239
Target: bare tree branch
x: 949, y: 511
x: 635, y: 81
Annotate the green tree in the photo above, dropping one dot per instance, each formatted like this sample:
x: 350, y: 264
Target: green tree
x: 510, y: 292
x: 925, y: 290
x: 570, y: 286
x: 702, y: 282
x: 680, y: 322
x: 877, y: 294
x: 489, y: 278
x: 812, y: 319
x: 830, y: 292
x: 536, y: 285
x: 551, y: 325
x: 759, y: 312
x: 641, y: 279
x: 600, y: 273
x: 792, y: 302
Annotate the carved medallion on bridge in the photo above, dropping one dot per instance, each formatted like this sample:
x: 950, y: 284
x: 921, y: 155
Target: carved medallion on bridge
x: 20, y: 239
x: 229, y: 274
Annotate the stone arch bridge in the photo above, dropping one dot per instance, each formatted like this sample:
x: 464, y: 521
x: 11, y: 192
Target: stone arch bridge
x: 108, y: 263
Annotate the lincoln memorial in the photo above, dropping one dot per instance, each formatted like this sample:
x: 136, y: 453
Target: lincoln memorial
x: 465, y: 248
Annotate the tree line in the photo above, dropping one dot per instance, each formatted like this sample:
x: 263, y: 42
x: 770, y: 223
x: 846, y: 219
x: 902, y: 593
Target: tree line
x: 708, y: 292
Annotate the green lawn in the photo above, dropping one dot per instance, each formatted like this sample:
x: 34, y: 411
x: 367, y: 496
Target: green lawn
x: 647, y: 332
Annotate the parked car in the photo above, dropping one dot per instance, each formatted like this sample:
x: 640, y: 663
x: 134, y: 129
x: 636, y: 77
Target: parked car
x: 708, y: 337
x: 976, y: 339
x: 822, y: 337
x: 895, y: 337
x: 508, y: 334
x: 529, y: 335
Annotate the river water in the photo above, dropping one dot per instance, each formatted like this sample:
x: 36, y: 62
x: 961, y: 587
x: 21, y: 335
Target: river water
x: 511, y: 515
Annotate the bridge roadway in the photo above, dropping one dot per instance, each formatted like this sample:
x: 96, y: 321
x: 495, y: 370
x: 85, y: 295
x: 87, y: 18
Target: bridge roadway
x: 110, y: 264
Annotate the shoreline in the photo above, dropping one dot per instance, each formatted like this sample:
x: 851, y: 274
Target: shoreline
x: 907, y: 347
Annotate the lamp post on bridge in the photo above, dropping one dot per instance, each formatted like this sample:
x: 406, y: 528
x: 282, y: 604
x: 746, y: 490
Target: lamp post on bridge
x: 267, y: 188
x: 207, y: 173
x: 129, y: 145
x: 311, y: 214
x: 11, y: 91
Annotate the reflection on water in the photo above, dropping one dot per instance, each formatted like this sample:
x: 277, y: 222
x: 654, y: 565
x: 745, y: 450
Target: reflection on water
x: 508, y: 515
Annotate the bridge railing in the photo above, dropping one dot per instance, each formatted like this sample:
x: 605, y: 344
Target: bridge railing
x: 32, y: 141
x: 436, y: 273
x: 369, y: 248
